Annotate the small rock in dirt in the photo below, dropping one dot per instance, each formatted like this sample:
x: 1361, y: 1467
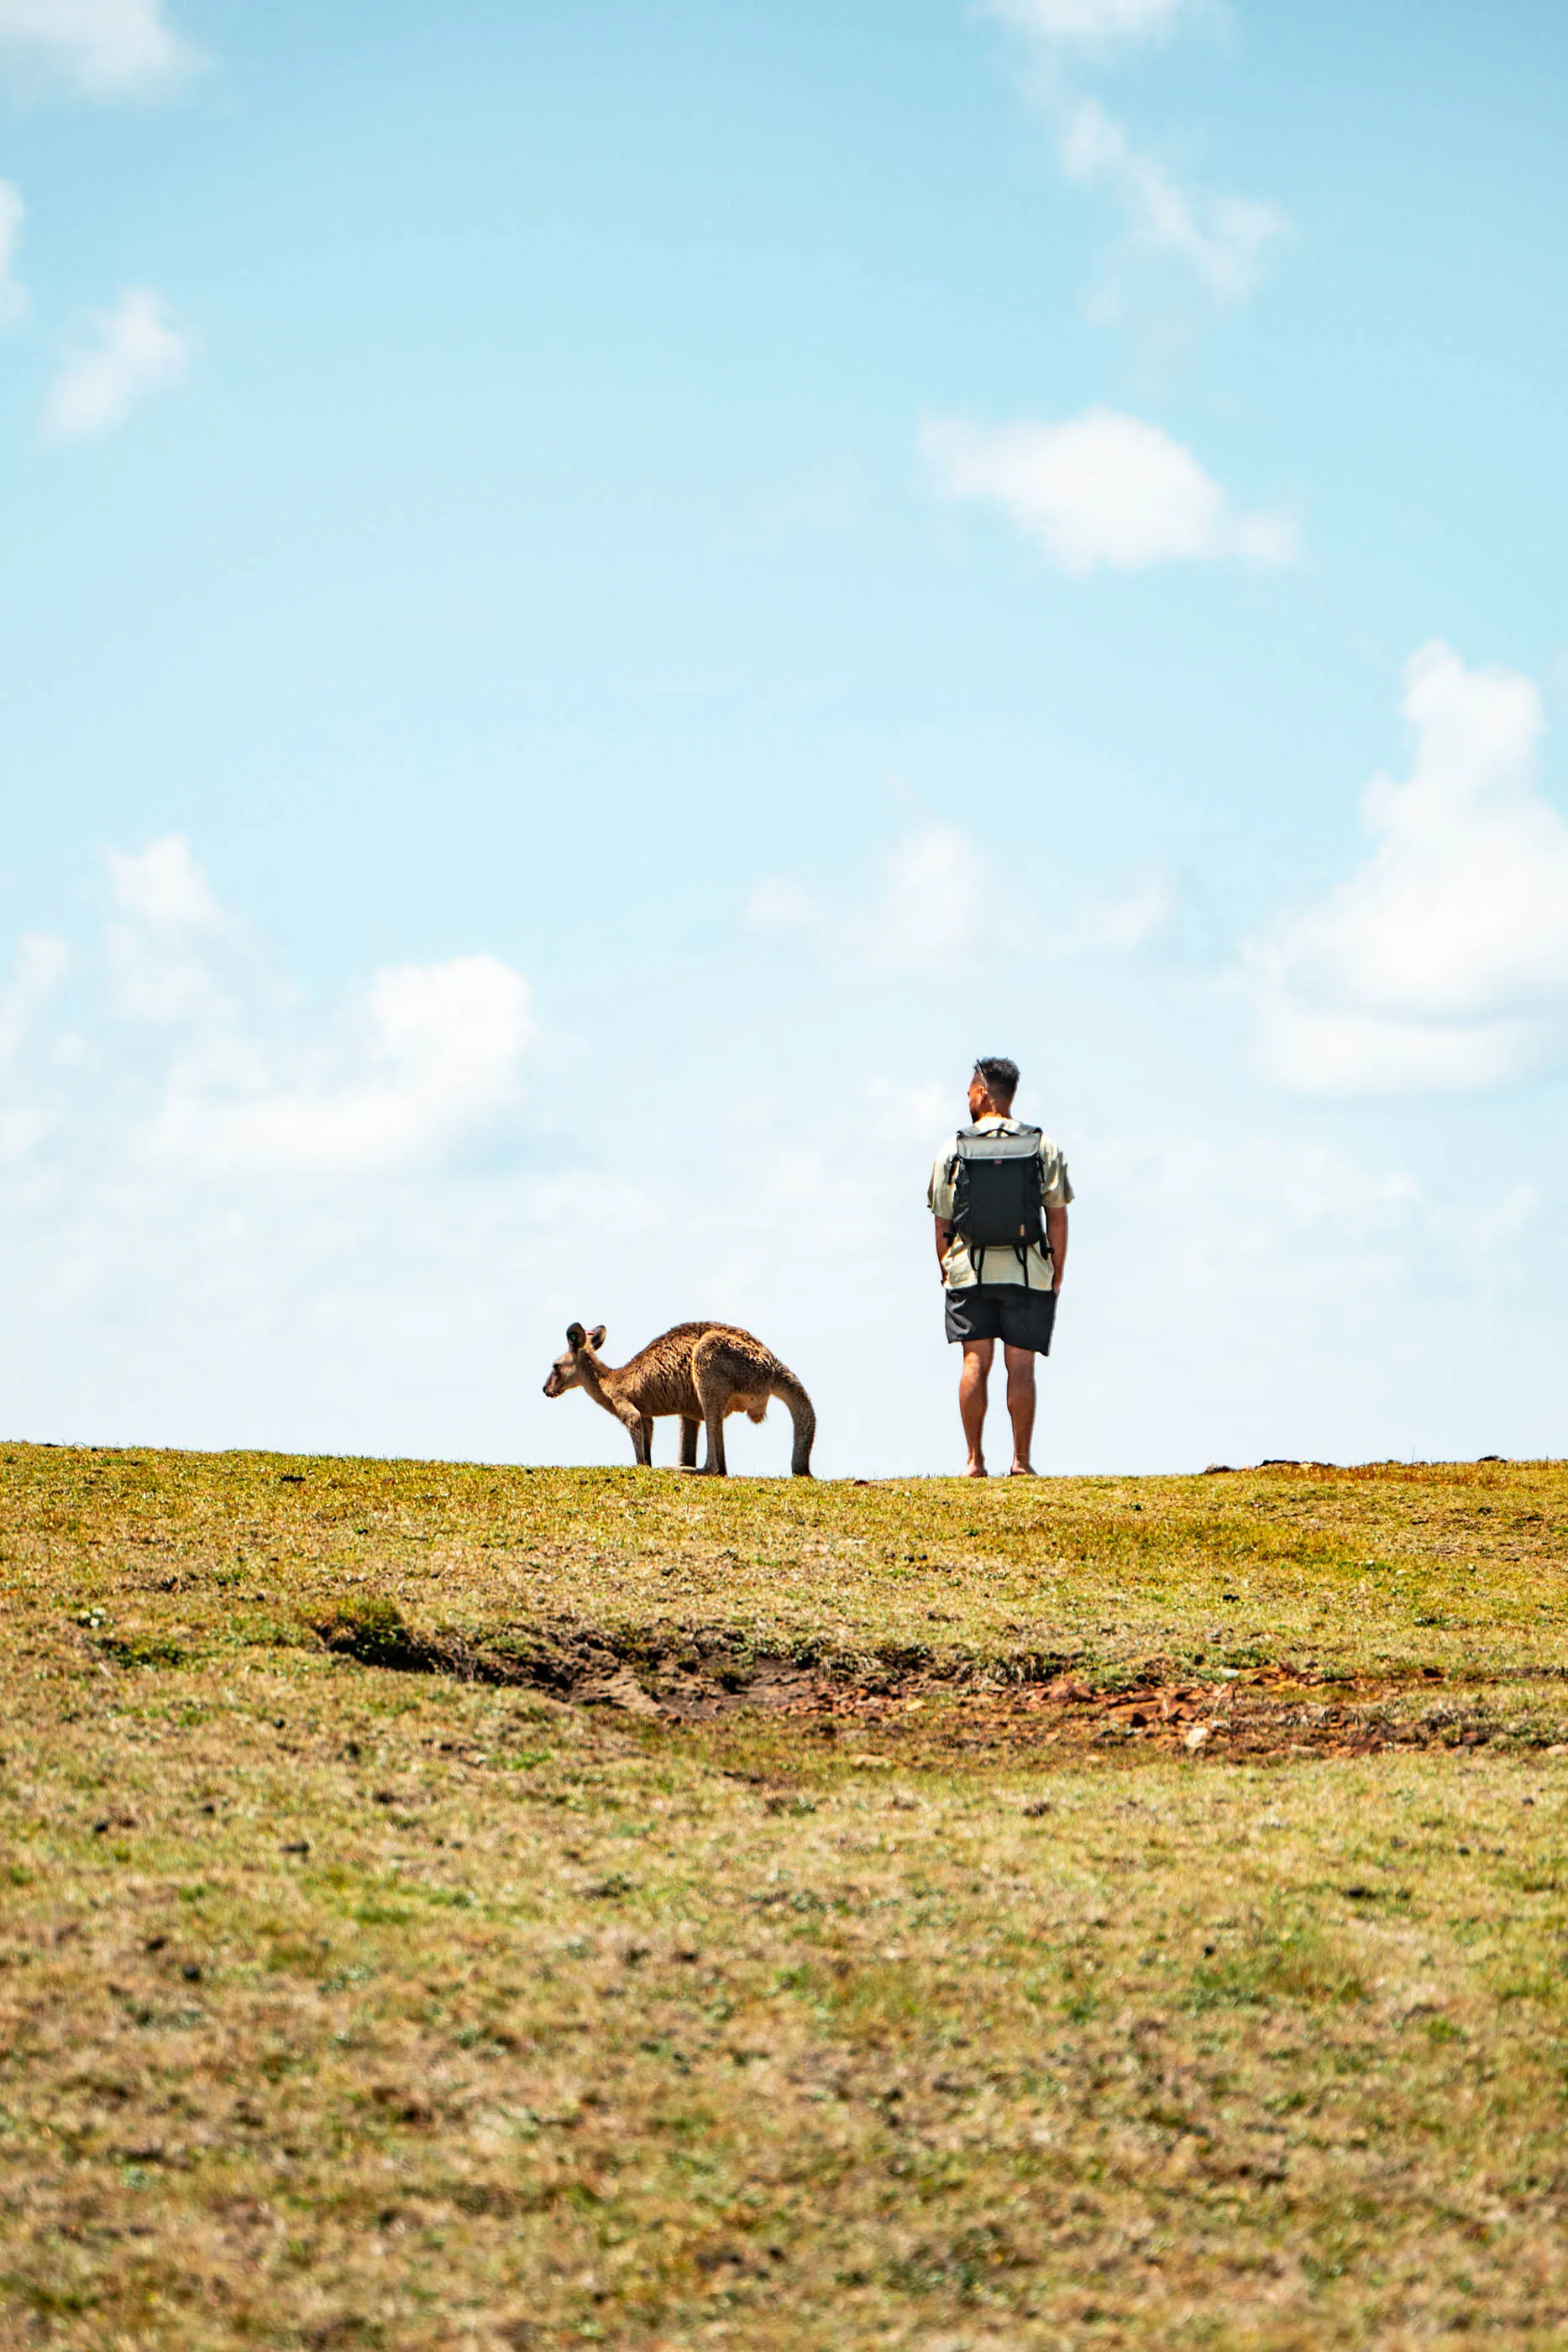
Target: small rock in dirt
x: 1197, y: 1736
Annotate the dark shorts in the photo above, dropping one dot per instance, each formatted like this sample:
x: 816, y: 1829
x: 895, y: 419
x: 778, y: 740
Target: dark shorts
x: 1004, y: 1311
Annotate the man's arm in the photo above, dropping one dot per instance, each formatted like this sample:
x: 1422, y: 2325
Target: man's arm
x: 1056, y: 1241
x: 944, y: 1238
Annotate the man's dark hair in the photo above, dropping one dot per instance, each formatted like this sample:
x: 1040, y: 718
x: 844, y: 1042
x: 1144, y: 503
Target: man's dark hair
x: 998, y: 1076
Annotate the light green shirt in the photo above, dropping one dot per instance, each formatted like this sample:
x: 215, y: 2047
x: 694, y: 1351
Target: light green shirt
x: 998, y: 1264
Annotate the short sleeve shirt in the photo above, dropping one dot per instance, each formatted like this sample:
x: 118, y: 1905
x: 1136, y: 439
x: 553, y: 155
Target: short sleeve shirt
x: 998, y: 1264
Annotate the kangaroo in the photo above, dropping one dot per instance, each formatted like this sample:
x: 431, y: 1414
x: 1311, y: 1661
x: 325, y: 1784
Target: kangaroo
x: 701, y: 1371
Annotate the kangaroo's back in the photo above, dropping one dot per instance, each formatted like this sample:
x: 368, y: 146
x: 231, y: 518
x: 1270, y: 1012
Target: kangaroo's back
x: 659, y: 1378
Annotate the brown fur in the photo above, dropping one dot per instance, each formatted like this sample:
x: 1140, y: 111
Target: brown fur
x: 699, y: 1372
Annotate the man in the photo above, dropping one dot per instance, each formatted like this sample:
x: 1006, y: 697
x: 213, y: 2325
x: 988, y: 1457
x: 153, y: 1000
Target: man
x: 1001, y: 1274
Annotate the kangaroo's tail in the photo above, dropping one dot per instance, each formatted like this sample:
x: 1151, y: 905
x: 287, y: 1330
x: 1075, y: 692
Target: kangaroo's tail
x: 803, y: 1414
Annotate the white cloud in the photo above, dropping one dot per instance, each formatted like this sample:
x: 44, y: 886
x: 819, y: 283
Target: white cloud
x: 219, y: 1071
x: 103, y: 49
x: 925, y: 910
x: 41, y: 965
x: 1123, y: 925
x: 140, y: 350
x: 163, y: 885
x: 254, y: 1219
x: 1101, y: 489
x: 12, y: 295
x: 930, y: 903
x: 440, y: 1053
x: 777, y: 904
x: 171, y: 948
x: 1442, y: 963
x: 1223, y: 239
x: 1088, y: 24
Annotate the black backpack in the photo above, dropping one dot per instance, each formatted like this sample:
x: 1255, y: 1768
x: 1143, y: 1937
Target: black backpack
x: 997, y: 1185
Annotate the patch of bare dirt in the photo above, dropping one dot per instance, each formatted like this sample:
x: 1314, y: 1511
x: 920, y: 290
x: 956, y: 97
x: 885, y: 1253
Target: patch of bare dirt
x: 1270, y: 1716
x: 912, y: 1705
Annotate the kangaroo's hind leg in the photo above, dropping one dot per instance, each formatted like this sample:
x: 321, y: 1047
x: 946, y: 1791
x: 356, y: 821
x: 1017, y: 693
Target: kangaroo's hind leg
x: 713, y: 1422
x: 714, y: 1380
x: 689, y: 1442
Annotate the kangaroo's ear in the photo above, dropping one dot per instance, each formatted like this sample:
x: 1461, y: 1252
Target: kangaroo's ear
x: 575, y: 1335
x: 596, y: 1337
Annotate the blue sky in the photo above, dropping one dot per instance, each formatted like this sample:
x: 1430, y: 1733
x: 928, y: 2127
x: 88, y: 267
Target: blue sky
x: 600, y: 596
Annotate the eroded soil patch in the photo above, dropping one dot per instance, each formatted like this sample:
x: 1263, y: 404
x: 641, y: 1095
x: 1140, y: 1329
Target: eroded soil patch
x: 914, y: 1703
x: 1274, y: 1718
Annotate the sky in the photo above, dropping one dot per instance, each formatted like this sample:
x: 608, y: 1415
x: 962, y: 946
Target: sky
x: 602, y: 593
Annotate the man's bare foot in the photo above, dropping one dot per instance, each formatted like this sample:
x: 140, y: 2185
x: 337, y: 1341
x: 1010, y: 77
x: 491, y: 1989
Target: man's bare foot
x: 977, y: 1470
x: 1020, y: 1470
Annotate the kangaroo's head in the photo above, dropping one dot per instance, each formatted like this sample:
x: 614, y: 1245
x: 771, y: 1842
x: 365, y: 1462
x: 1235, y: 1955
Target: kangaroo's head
x: 581, y: 1348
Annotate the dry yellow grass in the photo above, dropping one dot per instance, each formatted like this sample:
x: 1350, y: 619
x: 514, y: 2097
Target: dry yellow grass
x: 349, y: 2005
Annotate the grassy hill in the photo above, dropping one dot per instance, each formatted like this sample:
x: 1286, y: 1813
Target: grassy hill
x: 453, y: 1905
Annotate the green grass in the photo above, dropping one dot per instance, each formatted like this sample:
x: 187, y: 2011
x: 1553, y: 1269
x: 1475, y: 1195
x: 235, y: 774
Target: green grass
x: 344, y: 2001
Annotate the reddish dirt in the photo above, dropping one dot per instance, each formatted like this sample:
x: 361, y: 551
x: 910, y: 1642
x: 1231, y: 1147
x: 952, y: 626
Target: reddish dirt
x: 1269, y: 1713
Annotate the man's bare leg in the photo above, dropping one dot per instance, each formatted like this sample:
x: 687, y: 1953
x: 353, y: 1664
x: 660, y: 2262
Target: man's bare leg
x: 972, y: 1382
x: 1021, y: 1406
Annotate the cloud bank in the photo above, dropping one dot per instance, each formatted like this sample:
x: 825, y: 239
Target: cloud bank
x: 230, y: 1217
x: 211, y: 1070
x: 1441, y: 964
x: 1102, y: 490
